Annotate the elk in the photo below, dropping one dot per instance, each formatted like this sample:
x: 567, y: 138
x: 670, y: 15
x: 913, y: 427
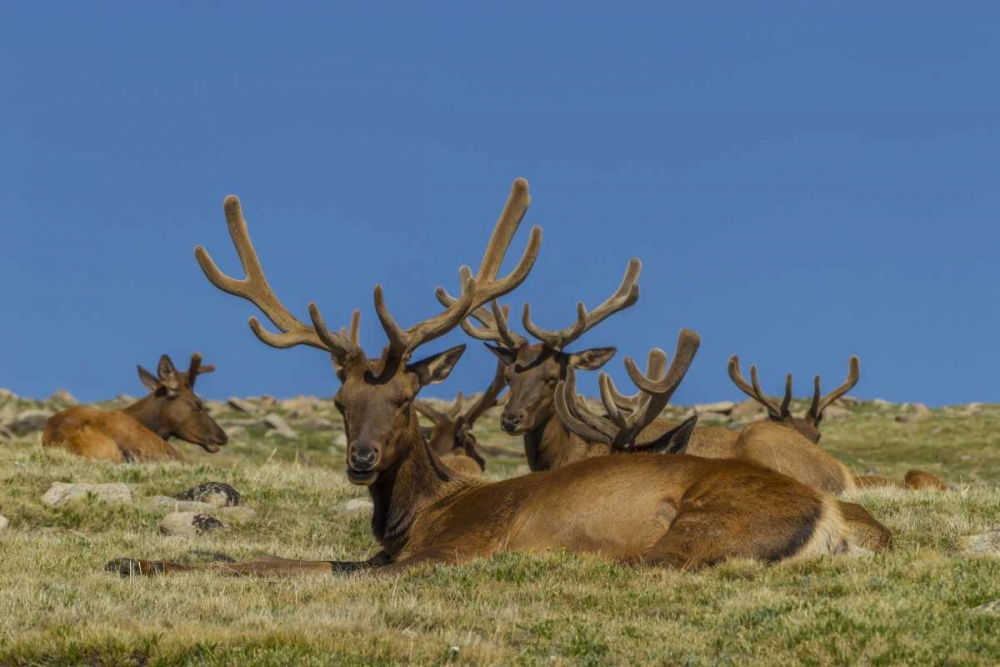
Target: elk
x: 673, y: 510
x: 808, y: 425
x: 451, y: 437
x: 140, y: 432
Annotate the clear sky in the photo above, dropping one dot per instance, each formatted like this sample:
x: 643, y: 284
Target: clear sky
x: 803, y: 181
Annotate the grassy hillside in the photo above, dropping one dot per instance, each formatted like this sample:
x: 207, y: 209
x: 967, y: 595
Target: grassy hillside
x: 914, y: 606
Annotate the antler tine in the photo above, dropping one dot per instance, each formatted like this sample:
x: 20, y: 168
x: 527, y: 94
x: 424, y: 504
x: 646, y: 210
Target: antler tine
x: 626, y: 295
x: 456, y: 409
x: 576, y: 416
x: 736, y: 375
x: 787, y: 400
x: 489, y: 397
x: 656, y: 365
x: 476, y: 292
x: 853, y: 375
x: 426, y: 410
x: 660, y: 390
x: 255, y: 289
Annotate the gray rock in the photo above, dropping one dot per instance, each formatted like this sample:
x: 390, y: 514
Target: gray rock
x: 60, y: 493
x: 242, y: 405
x: 354, y: 505
x: 836, y: 413
x: 62, y: 397
x: 174, y: 505
x: 881, y: 404
x: 30, y: 421
x: 720, y: 408
x: 189, y: 524
x: 748, y: 408
x: 913, y: 412
x: 984, y: 543
x: 215, y: 494
x: 4, y: 522
x: 280, y: 427
x: 8, y: 413
x: 214, y: 407
x: 6, y: 393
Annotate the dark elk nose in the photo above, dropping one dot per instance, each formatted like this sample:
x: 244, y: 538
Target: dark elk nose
x: 510, y: 423
x: 363, y: 459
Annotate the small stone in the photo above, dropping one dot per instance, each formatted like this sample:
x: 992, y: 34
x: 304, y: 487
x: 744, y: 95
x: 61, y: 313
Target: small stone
x: 241, y: 405
x: 280, y: 426
x: 189, y: 524
x: 747, y: 408
x: 880, y: 403
x: 984, y: 543
x: 174, y: 505
x: 215, y: 494
x: 354, y: 505
x: 4, y: 522
x: 836, y: 413
x: 721, y: 408
x: 61, y: 493
x: 973, y: 409
x: 30, y: 421
x: 913, y: 412
x: 965, y: 457
x: 214, y: 407
x: 62, y: 397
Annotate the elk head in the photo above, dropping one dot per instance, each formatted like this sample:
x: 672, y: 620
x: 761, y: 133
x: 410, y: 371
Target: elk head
x: 627, y: 416
x: 376, y: 395
x: 808, y: 425
x: 533, y: 370
x: 175, y: 410
x: 452, y: 430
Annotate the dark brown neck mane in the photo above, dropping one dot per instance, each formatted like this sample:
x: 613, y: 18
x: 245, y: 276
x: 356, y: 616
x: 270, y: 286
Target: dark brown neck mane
x: 146, y: 412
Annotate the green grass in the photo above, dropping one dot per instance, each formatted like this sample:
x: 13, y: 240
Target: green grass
x: 913, y: 606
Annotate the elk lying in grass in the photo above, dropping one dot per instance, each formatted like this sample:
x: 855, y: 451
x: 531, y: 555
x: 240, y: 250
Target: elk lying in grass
x: 808, y: 425
x: 451, y: 437
x: 140, y: 431
x: 673, y: 510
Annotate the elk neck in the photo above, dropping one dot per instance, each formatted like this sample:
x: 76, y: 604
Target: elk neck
x: 402, y: 491
x: 147, y: 412
x: 551, y: 445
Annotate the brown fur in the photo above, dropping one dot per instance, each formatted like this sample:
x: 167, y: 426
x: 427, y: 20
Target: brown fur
x: 140, y: 431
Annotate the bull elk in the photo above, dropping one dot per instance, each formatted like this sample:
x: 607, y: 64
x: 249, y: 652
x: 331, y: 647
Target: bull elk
x: 808, y: 425
x: 140, y: 432
x: 673, y: 510
x: 451, y: 437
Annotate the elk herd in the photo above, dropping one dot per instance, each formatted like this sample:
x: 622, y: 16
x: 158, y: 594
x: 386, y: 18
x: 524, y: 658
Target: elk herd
x: 619, y: 480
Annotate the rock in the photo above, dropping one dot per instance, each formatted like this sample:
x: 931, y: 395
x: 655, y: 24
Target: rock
x: 214, y: 407
x: 747, y: 408
x: 301, y: 406
x: 836, y: 413
x: 880, y: 404
x: 30, y: 421
x: 280, y: 426
x: 720, y: 408
x: 354, y: 505
x: 267, y: 402
x: 215, y: 494
x: 235, y: 514
x: 62, y: 397
x: 4, y: 522
x: 965, y: 457
x: 235, y: 432
x: 985, y: 543
x: 913, y: 412
x: 5, y: 434
x: 8, y: 413
x: 174, y: 505
x: 242, y: 406
x: 989, y: 607
x: 61, y: 493
x: 972, y: 409
x: 189, y: 524
x: 316, y: 425
x: 6, y: 393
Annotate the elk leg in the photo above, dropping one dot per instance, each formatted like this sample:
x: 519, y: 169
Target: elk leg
x: 263, y: 566
x: 863, y: 529
x: 442, y: 556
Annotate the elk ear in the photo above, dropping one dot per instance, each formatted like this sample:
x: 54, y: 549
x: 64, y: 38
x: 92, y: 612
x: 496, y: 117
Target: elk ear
x: 437, y: 368
x: 591, y: 360
x: 148, y: 380
x: 168, y: 375
x: 507, y: 357
x: 674, y: 441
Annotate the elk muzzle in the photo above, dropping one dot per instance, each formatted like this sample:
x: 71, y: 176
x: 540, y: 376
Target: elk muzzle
x: 513, y: 422
x: 362, y: 460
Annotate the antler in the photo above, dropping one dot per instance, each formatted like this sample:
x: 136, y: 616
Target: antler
x: 754, y: 392
x: 626, y: 295
x: 476, y: 291
x: 494, y: 323
x: 819, y: 405
x: 627, y: 416
x: 489, y: 397
x: 255, y: 289
x: 195, y: 369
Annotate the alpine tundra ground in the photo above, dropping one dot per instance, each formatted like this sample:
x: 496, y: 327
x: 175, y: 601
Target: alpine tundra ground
x: 920, y: 604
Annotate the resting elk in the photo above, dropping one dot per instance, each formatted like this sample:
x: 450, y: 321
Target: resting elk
x: 451, y: 437
x: 808, y: 425
x: 654, y: 508
x: 139, y: 432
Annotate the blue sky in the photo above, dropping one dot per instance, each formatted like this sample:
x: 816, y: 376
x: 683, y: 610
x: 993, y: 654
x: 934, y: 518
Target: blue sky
x: 802, y: 181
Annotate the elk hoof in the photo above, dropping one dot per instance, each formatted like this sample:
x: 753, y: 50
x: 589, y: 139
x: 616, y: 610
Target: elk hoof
x: 132, y: 567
